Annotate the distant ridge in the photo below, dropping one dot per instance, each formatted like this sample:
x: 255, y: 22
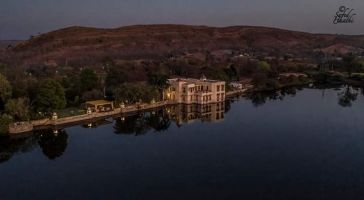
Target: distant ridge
x: 88, y: 45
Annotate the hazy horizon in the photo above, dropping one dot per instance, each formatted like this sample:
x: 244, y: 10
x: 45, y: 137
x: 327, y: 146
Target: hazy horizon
x: 22, y: 18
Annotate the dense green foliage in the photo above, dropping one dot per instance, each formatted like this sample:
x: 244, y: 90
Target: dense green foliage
x: 5, y: 120
x: 88, y: 79
x: 18, y: 108
x: 5, y: 89
x: 133, y: 92
x: 51, y: 95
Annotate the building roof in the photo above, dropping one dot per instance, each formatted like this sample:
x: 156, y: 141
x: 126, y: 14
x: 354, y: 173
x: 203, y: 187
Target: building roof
x: 99, y: 102
x: 193, y: 80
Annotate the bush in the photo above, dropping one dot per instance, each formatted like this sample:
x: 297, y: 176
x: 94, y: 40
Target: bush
x: 302, y: 78
x: 272, y: 84
x: 259, y: 79
x: 337, y: 77
x: 356, y: 77
x: 273, y: 75
x: 322, y: 77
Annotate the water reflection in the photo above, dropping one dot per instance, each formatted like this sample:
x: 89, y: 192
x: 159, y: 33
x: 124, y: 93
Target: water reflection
x: 98, y: 123
x: 161, y: 120
x: 346, y: 94
x: 132, y: 125
x: 186, y: 114
x: 260, y: 98
x: 52, y: 142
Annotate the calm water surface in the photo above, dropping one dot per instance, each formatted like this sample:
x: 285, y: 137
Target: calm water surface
x: 295, y: 144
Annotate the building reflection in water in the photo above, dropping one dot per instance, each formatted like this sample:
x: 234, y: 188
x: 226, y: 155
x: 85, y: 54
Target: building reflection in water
x: 160, y: 120
x: 189, y: 113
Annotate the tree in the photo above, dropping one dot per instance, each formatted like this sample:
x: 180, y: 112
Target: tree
x: 133, y: 92
x: 5, y: 89
x: 18, y: 108
x: 88, y: 80
x: 263, y: 66
x: 159, y: 80
x: 259, y: 79
x: 234, y: 70
x: 115, y: 76
x: 92, y: 95
x: 350, y: 64
x: 5, y: 120
x: 51, y: 95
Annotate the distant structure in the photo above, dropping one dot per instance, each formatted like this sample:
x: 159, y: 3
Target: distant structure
x: 236, y: 85
x: 200, y: 91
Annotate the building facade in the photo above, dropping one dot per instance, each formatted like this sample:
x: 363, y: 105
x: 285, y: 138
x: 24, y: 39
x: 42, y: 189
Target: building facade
x: 195, y: 91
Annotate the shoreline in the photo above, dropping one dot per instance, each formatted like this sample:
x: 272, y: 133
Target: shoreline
x: 25, y: 127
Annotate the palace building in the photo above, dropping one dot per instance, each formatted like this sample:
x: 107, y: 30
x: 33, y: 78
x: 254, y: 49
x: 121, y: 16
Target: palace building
x: 195, y: 91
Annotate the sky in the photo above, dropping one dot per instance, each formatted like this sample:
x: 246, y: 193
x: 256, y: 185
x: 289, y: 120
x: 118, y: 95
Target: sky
x: 21, y: 18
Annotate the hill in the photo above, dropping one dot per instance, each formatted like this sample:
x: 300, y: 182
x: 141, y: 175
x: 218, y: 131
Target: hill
x: 7, y: 43
x: 89, y: 46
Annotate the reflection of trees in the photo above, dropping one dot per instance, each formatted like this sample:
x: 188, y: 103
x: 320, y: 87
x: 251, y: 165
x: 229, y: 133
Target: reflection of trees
x: 135, y: 124
x: 9, y: 147
x: 228, y: 105
x: 140, y: 124
x: 53, y: 146
x: 159, y: 121
x: 291, y: 91
x: 347, y: 96
x: 260, y: 98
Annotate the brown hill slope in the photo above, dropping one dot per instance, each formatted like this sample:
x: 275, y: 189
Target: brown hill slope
x: 87, y: 46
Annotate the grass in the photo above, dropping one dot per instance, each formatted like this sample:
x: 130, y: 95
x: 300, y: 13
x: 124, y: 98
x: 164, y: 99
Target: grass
x: 69, y: 112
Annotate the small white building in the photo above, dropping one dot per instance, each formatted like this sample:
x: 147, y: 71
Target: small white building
x: 236, y: 85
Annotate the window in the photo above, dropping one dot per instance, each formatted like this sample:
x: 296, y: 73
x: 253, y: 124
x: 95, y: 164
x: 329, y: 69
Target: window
x: 218, y: 88
x: 184, y: 89
x: 218, y: 97
x: 222, y: 87
x: 173, y: 89
x: 217, y: 115
x: 174, y: 97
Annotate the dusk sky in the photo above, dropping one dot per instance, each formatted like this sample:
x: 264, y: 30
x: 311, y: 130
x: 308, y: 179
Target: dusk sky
x: 21, y: 18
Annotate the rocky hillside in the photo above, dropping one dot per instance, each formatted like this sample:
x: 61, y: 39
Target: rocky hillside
x: 87, y: 46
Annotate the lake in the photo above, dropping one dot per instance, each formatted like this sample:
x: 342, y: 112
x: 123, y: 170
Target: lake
x: 296, y: 143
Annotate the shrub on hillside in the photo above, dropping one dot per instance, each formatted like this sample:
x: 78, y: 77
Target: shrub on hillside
x: 259, y: 79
